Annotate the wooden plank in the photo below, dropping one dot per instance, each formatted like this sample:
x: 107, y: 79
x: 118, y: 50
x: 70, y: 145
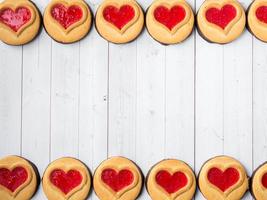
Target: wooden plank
x: 93, y: 100
x: 180, y: 100
x: 259, y: 103
x: 122, y: 100
x: 10, y: 99
x: 36, y: 101
x: 65, y: 100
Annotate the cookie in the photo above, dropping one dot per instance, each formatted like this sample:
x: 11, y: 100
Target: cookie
x: 259, y: 183
x: 19, y: 22
x: 221, y: 21
x: 171, y: 180
x: 119, y: 21
x: 117, y: 178
x: 223, y: 178
x: 170, y: 22
x: 66, y: 178
x: 18, y: 178
x: 257, y: 19
x: 67, y: 21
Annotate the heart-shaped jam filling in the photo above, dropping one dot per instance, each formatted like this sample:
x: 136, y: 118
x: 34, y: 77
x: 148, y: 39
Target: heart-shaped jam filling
x: 223, y: 179
x: 117, y: 180
x: 13, y: 179
x: 171, y: 183
x: 119, y: 17
x: 261, y: 14
x: 264, y: 180
x: 15, y: 19
x: 169, y: 17
x: 66, y: 16
x: 221, y: 17
x: 66, y: 181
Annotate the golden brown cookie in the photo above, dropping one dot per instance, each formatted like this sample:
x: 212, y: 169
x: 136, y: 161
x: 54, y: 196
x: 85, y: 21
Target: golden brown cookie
x: 257, y: 19
x: 18, y: 178
x: 221, y: 21
x: 119, y: 21
x: 259, y: 183
x: 169, y: 22
x: 117, y: 178
x: 19, y: 21
x: 66, y: 179
x: 171, y: 180
x: 223, y: 178
x: 67, y: 21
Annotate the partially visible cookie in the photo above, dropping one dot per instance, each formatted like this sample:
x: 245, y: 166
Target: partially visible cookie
x: 19, y: 21
x: 223, y: 178
x: 117, y: 178
x: 119, y: 21
x: 66, y: 178
x: 259, y: 183
x: 67, y: 21
x: 221, y: 21
x: 171, y: 180
x: 170, y: 22
x: 257, y: 19
x: 18, y: 178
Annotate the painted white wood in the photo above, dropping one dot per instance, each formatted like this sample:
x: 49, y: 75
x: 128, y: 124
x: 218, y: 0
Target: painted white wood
x: 10, y: 99
x: 259, y: 102
x: 65, y: 100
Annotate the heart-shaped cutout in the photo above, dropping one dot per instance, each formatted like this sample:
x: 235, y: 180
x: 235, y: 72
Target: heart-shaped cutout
x: 169, y: 17
x: 66, y: 16
x: 119, y: 17
x: 223, y: 179
x: 15, y: 19
x: 13, y: 179
x: 264, y: 180
x: 117, y: 180
x: 261, y: 14
x: 221, y: 17
x: 66, y: 182
x: 171, y: 183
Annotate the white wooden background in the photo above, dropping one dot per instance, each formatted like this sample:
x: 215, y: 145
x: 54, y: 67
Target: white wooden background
x: 142, y: 100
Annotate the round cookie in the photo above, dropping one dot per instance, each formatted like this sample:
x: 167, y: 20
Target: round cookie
x: 66, y: 178
x: 171, y: 180
x: 18, y: 178
x: 259, y: 183
x: 117, y: 178
x: 221, y: 21
x: 170, y: 22
x: 119, y: 21
x: 257, y: 19
x: 223, y: 178
x: 67, y: 21
x: 19, y: 22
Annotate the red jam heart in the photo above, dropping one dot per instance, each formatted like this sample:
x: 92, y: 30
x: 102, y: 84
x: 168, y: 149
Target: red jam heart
x: 15, y: 19
x: 261, y: 14
x: 66, y: 181
x: 119, y: 17
x: 169, y: 17
x: 13, y: 179
x: 264, y: 180
x: 66, y: 16
x: 171, y: 183
x: 221, y: 17
x: 223, y: 179
x: 117, y: 180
